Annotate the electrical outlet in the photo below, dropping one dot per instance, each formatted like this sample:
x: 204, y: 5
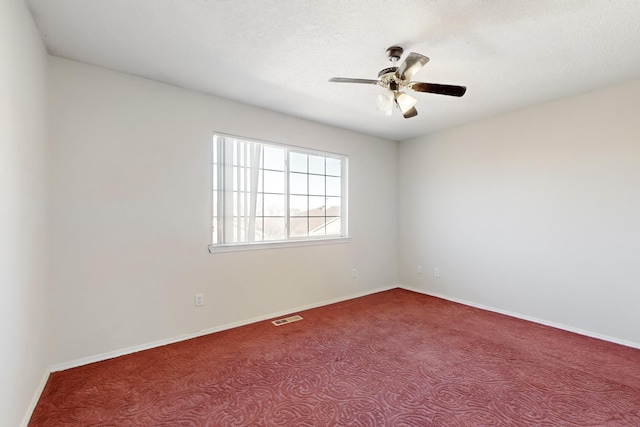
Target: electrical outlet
x: 436, y: 272
x: 354, y: 273
x: 419, y: 269
x: 199, y: 300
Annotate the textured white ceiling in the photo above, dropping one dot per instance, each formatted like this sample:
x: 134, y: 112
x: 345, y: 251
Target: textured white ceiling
x: 279, y: 54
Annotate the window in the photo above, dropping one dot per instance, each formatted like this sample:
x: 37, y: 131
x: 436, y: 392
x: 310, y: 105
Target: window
x: 270, y: 193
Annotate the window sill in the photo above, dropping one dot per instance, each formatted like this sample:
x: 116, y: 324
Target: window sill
x: 275, y: 245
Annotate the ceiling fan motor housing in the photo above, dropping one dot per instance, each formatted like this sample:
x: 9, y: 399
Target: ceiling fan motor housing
x: 386, y: 74
x: 388, y: 70
x: 394, y: 53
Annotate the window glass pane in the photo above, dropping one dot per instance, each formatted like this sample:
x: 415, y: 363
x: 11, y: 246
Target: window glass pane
x: 298, y: 183
x: 316, y: 206
x: 333, y: 166
x: 235, y: 178
x: 240, y: 203
x: 238, y: 231
x: 259, y: 204
x: 260, y: 188
x: 316, y: 225
x: 316, y: 164
x: 239, y: 179
x: 234, y: 152
x: 242, y: 228
x: 333, y: 186
x: 273, y: 158
x: 297, y: 162
x: 299, y: 227
x: 273, y: 228
x: 273, y: 205
x: 298, y: 205
x: 240, y: 152
x: 316, y: 185
x: 331, y: 227
x: 259, y: 226
x: 333, y: 206
x: 236, y: 210
x: 273, y: 182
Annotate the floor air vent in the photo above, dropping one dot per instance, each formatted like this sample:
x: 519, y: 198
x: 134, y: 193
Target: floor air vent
x: 286, y: 320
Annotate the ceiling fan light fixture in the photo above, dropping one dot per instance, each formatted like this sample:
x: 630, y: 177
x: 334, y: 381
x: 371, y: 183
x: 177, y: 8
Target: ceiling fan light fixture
x: 411, y: 113
x: 404, y: 101
x: 385, y: 103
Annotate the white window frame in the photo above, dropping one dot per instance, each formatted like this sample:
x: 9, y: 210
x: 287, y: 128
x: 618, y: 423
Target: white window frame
x: 221, y: 191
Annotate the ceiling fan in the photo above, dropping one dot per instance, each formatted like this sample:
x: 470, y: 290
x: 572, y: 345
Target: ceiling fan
x: 395, y: 79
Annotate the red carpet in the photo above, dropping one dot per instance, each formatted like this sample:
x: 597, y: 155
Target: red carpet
x: 395, y: 358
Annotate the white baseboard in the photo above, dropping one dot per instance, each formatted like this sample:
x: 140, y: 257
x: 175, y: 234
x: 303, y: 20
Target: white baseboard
x: 525, y: 317
x: 110, y: 355
x: 35, y: 399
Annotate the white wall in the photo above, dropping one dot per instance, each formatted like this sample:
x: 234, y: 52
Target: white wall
x: 24, y: 350
x: 132, y: 215
x: 536, y: 212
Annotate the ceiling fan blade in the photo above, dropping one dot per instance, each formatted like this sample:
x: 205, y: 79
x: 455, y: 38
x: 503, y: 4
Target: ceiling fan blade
x: 450, y: 90
x: 406, y: 104
x: 411, y: 65
x: 348, y: 80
